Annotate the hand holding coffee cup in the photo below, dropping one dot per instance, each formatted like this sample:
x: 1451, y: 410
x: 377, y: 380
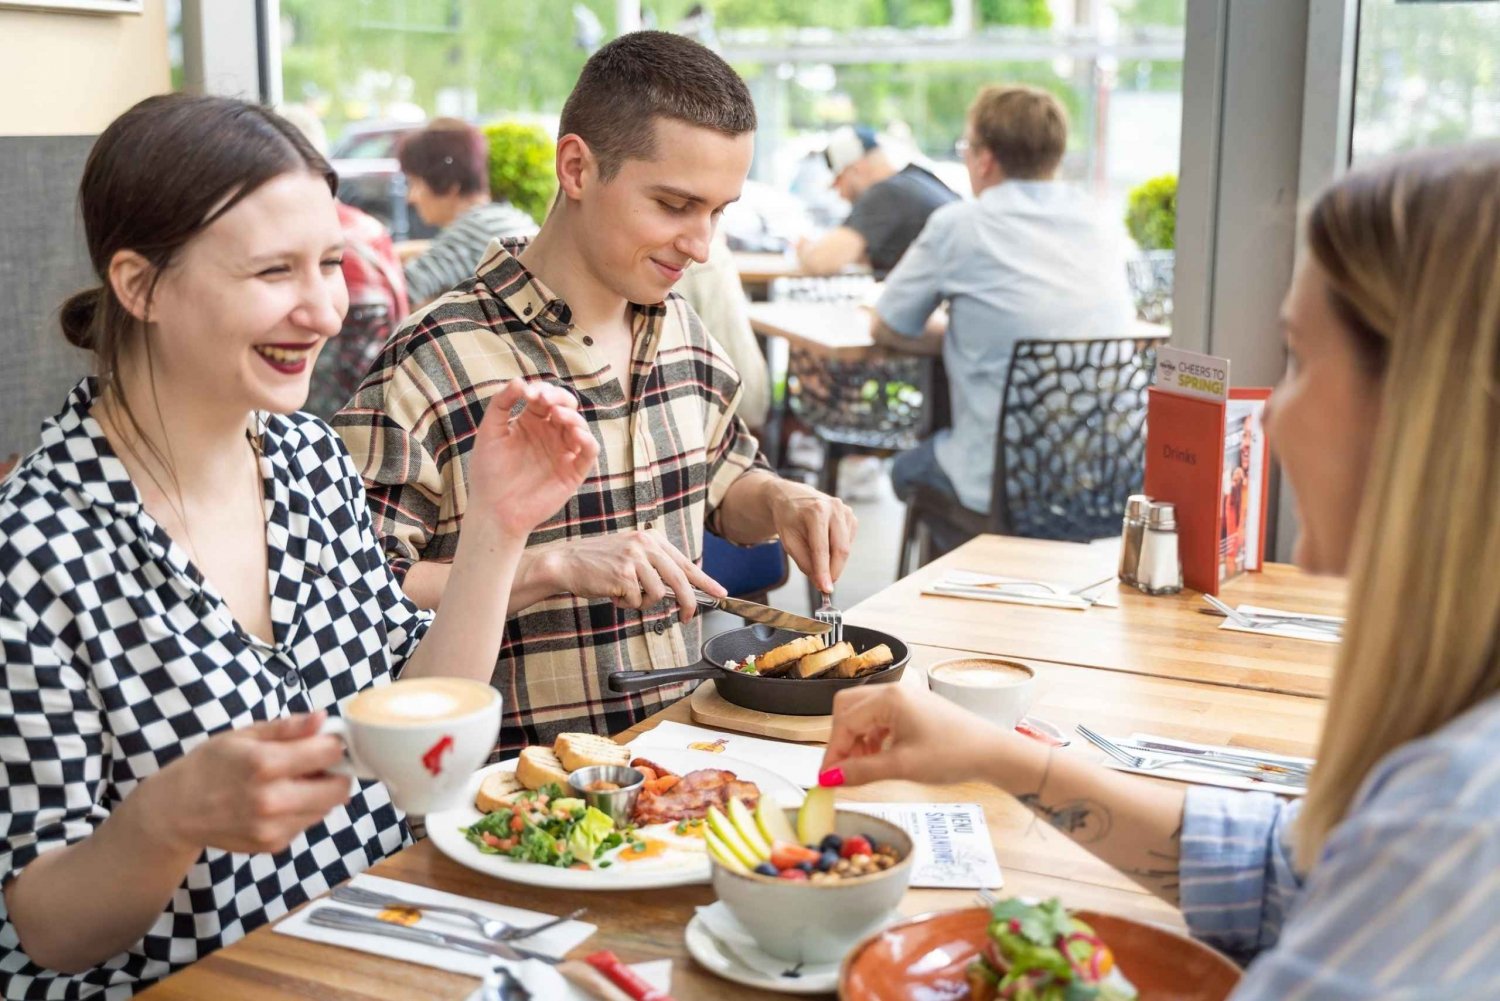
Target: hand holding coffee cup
x: 422, y: 737
x: 997, y: 690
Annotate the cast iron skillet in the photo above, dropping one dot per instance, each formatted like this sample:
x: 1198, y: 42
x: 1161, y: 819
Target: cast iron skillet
x: 784, y: 696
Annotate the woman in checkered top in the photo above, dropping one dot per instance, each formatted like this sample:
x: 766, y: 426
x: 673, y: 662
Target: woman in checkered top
x: 188, y: 578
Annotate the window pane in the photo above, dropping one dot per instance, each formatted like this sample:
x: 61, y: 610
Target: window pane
x: 1428, y: 75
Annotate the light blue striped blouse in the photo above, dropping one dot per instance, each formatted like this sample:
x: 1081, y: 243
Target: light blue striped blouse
x: 1404, y: 902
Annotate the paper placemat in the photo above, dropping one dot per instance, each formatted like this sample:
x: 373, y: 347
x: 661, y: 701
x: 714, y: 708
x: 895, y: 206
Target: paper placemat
x: 552, y: 942
x: 1289, y: 630
x: 797, y: 763
x: 953, y: 846
x: 981, y: 587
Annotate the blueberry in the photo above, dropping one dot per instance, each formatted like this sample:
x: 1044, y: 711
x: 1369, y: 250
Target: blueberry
x: 806, y: 867
x: 828, y: 861
x: 831, y: 843
x: 767, y: 869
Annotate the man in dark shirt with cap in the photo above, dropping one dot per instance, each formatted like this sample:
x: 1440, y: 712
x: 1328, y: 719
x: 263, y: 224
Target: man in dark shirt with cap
x: 890, y: 206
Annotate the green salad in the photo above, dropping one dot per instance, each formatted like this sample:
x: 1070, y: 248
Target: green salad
x: 549, y: 828
x: 1040, y: 952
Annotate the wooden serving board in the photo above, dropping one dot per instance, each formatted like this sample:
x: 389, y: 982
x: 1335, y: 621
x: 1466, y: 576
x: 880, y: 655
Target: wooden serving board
x: 712, y: 709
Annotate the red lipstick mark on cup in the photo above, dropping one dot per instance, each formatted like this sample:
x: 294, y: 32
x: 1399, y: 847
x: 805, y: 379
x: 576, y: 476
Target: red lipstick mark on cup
x: 432, y: 760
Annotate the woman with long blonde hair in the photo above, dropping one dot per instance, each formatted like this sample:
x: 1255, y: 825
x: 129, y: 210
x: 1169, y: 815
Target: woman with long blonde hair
x: 1383, y: 882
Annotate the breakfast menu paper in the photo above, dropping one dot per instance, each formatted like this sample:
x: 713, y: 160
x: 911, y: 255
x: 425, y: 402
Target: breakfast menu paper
x: 954, y: 850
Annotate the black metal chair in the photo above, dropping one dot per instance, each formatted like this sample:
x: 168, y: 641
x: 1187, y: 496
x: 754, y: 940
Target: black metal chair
x: 1071, y: 445
x: 872, y: 406
x: 875, y: 406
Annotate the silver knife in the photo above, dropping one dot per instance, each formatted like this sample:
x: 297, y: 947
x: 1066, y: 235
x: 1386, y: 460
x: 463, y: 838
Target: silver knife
x: 763, y: 613
x: 337, y: 917
x: 1255, y: 760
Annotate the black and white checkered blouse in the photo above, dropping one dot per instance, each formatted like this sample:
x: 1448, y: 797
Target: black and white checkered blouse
x: 115, y: 659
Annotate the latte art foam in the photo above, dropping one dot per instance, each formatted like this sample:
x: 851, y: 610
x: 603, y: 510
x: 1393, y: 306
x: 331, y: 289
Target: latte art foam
x: 419, y: 700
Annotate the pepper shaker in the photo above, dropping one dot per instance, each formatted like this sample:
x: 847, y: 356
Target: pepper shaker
x: 1160, y: 570
x: 1132, y: 532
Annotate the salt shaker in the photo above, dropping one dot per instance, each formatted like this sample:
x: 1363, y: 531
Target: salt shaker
x: 1131, y: 534
x: 1160, y: 570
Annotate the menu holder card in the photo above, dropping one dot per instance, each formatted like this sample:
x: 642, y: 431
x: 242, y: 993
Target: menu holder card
x: 954, y: 850
x: 1206, y: 452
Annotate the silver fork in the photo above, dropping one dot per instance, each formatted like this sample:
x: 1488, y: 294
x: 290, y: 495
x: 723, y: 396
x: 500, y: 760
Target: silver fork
x: 828, y: 613
x: 1261, y: 620
x: 1151, y: 762
x: 491, y: 928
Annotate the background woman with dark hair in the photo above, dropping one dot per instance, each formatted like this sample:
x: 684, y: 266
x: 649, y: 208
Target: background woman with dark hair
x: 188, y: 576
x: 447, y: 168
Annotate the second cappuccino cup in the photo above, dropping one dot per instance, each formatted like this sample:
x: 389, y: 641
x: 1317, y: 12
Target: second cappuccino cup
x: 422, y: 738
x: 992, y: 688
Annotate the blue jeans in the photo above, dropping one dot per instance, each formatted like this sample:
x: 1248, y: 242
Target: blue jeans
x: 919, y: 467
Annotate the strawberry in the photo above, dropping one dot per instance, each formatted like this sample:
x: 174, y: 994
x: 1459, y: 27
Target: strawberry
x: 856, y: 845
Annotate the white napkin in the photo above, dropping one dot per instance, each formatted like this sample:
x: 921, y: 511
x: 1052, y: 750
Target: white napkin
x: 798, y: 762
x: 1211, y: 776
x: 725, y: 929
x: 552, y: 942
x: 985, y: 587
x: 546, y: 984
x: 1290, y: 630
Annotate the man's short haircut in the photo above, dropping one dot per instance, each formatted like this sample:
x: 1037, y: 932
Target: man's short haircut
x: 447, y: 154
x: 1024, y: 128
x: 645, y: 75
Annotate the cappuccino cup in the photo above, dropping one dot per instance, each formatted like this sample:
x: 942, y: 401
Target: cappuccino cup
x: 997, y: 690
x: 422, y: 737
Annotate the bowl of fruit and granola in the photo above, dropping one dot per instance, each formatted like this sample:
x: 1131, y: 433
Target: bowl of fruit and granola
x: 807, y: 884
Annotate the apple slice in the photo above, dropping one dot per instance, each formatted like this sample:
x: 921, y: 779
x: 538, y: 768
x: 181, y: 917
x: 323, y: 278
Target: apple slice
x: 722, y: 855
x: 771, y: 819
x: 720, y: 825
x: 744, y: 822
x: 815, y: 821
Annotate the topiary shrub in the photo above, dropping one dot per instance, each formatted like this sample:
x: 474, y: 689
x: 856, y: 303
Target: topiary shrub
x: 1151, y: 213
x: 521, y: 166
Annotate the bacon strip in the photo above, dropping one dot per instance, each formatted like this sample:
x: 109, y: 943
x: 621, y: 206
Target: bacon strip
x: 690, y: 798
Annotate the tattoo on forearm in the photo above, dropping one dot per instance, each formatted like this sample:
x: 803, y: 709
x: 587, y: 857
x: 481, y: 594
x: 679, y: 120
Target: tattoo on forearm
x: 1084, y: 820
x: 1161, y: 879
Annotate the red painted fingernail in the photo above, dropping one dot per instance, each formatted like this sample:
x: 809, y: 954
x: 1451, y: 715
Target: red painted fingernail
x: 832, y: 777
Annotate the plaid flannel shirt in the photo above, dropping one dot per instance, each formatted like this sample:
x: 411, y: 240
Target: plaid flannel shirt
x: 666, y: 460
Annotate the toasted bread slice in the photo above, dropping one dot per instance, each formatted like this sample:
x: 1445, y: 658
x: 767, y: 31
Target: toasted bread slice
x: 823, y: 661
x: 864, y: 663
x: 779, y: 660
x: 539, y: 766
x: 579, y: 750
x: 497, y: 792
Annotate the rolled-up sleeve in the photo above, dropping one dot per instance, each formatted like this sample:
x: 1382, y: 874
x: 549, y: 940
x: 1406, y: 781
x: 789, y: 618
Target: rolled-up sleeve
x: 1235, y: 868
x: 52, y: 750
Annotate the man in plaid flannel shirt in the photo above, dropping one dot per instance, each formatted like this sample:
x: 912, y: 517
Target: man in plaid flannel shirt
x: 657, y: 138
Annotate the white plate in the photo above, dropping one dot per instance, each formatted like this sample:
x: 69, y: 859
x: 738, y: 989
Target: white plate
x: 719, y: 961
x: 673, y: 868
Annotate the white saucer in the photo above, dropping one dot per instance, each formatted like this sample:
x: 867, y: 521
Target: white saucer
x: 719, y: 961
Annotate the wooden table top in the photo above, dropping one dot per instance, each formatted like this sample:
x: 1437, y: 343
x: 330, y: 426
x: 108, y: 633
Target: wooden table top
x: 828, y: 329
x: 760, y: 267
x: 1161, y: 636
x: 645, y: 925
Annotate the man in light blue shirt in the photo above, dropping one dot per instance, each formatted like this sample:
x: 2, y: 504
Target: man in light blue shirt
x: 1030, y: 257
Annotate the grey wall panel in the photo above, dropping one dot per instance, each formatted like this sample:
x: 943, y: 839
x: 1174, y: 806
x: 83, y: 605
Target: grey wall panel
x: 42, y: 261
